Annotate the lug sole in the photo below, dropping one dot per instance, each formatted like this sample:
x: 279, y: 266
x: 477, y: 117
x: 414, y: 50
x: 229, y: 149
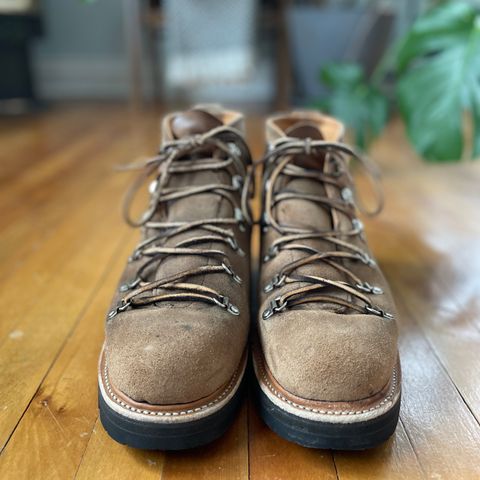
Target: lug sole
x: 168, y: 436
x: 168, y: 427
x: 325, y: 435
x: 348, y: 425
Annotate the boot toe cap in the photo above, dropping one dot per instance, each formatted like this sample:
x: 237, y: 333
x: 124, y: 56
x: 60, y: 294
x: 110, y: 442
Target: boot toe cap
x: 329, y: 356
x: 166, y: 356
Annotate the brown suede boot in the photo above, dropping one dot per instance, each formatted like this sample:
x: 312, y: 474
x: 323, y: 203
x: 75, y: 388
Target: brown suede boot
x: 326, y: 356
x: 176, y: 336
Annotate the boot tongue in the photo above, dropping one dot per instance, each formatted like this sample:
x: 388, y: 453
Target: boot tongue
x: 306, y: 214
x: 207, y: 205
x: 306, y: 129
x: 193, y: 122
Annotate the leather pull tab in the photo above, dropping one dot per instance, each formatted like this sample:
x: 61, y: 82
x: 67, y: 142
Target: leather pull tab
x: 304, y: 130
x: 193, y: 122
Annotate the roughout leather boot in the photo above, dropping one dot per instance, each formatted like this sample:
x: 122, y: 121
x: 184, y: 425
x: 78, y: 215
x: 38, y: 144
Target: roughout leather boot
x: 326, y: 357
x: 176, y: 336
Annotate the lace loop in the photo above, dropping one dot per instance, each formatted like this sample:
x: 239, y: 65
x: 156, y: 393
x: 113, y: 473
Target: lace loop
x: 288, y: 147
x: 278, y: 162
x: 228, y: 151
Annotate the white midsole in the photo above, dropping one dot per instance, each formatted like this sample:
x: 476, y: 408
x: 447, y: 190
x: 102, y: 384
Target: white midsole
x: 152, y: 416
x: 331, y: 416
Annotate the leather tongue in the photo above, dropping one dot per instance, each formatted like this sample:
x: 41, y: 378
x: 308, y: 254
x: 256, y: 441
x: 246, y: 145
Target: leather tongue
x: 193, y: 122
x: 305, y: 129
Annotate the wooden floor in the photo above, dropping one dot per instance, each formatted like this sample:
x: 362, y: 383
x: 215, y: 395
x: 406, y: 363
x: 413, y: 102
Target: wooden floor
x: 63, y: 246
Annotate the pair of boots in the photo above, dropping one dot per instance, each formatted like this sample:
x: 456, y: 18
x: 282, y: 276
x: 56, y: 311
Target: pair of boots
x: 324, y: 346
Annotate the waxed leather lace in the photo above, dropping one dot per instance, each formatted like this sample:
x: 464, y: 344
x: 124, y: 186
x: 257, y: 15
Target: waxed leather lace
x: 279, y: 163
x: 221, y: 148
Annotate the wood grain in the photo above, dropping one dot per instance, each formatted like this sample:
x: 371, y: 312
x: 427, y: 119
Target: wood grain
x: 63, y: 412
x: 63, y: 245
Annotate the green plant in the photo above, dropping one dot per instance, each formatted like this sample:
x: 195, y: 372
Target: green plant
x: 360, y: 104
x: 437, y: 68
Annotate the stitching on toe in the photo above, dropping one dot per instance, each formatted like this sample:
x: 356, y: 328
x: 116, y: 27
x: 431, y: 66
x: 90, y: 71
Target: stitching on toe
x: 390, y: 395
x: 144, y: 411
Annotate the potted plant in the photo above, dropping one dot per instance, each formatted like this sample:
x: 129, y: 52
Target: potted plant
x: 436, y: 70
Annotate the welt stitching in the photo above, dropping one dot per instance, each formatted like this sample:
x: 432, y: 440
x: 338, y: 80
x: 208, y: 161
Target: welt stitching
x: 167, y: 414
x: 332, y: 412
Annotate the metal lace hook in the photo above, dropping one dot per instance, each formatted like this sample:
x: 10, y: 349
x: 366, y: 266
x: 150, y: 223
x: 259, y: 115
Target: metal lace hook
x: 379, y: 312
x: 275, y: 306
x: 230, y: 271
x: 125, y: 287
x: 119, y: 308
x: 224, y: 302
x: 366, y: 287
x: 275, y: 282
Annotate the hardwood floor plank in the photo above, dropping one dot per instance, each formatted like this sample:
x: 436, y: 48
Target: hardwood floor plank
x: 443, y: 432
x: 50, y: 149
x: 36, y: 214
x: 26, y: 142
x: 58, y: 423
x: 272, y: 457
x: 392, y: 152
x: 73, y: 174
x: 226, y: 458
x: 393, y: 460
x: 105, y: 459
x: 35, y: 322
x: 454, y: 349
x: 439, y: 271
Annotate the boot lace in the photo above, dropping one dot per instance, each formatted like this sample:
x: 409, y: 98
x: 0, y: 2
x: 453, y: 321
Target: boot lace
x: 278, y: 163
x: 229, y: 151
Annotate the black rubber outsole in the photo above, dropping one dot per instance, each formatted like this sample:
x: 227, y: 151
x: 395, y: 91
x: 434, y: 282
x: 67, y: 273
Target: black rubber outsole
x: 324, y: 435
x: 168, y: 436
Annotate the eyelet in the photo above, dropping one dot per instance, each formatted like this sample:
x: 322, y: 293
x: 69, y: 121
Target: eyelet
x: 120, y: 308
x: 230, y: 271
x: 347, y: 195
x: 378, y: 311
x: 366, y: 287
x: 366, y: 259
x: 275, y: 282
x: 235, y: 247
x: 125, y: 287
x: 234, y: 149
x: 357, y: 224
x: 240, y: 219
x: 275, y: 306
x: 272, y: 252
x: 136, y: 255
x: 237, y: 182
x: 224, y: 302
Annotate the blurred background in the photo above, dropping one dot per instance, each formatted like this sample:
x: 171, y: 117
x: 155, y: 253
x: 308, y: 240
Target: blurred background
x: 258, y: 53
x: 358, y: 59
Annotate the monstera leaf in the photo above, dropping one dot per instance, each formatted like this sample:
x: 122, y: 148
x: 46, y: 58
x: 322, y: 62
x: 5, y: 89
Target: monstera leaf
x: 438, y: 67
x: 361, y: 106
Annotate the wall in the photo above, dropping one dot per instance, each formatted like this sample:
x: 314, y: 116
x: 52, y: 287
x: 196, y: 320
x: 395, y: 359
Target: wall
x: 82, y: 52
